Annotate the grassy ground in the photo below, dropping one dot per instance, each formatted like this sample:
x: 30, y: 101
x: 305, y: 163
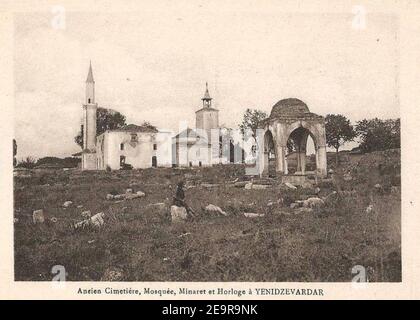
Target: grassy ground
x: 139, y: 242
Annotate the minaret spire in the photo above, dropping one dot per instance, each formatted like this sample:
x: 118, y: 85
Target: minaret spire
x: 90, y: 86
x: 90, y: 73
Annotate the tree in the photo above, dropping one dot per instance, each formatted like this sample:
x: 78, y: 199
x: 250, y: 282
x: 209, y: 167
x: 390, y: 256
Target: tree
x: 338, y: 131
x: 376, y: 134
x: 106, y: 119
x: 252, y: 121
x: 27, y: 163
x: 14, y: 152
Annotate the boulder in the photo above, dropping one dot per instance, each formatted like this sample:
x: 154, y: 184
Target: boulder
x: 212, y: 209
x: 290, y: 186
x: 129, y: 190
x: 369, y: 208
x: 178, y: 214
x: 303, y: 210
x: 313, y: 202
x: 295, y: 205
x: 98, y: 219
x: 347, y: 177
x: 86, y: 214
x: 67, y: 204
x: 109, y: 196
x: 259, y: 186
x: 248, y: 186
x: 38, y: 216
x: 240, y: 184
x: 253, y: 215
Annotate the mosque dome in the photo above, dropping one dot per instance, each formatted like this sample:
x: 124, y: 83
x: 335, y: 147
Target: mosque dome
x: 289, y: 107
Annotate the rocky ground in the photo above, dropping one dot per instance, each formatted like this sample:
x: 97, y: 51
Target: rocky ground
x: 118, y: 225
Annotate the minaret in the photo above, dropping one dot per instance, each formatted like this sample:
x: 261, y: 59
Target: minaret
x: 89, y: 124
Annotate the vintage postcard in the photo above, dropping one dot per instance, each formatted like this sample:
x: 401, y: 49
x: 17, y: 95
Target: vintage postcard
x: 209, y: 150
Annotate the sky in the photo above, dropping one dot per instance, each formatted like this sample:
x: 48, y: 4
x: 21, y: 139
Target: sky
x: 152, y: 65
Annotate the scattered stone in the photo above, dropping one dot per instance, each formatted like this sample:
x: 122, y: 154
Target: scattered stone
x: 15, y: 220
x: 211, y: 208
x: 178, y: 213
x: 38, y: 216
x: 378, y: 186
x: 129, y: 190
x: 317, y: 190
x: 369, y: 208
x: 79, y: 207
x: 67, y: 204
x: 294, y: 205
x: 109, y: 196
x: 54, y: 220
x: 259, y: 186
x: 98, y: 219
x: 313, y: 202
x: 113, y: 274
x: 166, y: 259
x: 290, y: 186
x: 91, y: 241
x: 253, y: 215
x: 86, y: 214
x: 240, y: 184
x: 209, y: 185
x: 184, y: 234
x: 248, y: 186
x: 347, y: 177
x: 118, y: 197
x: 303, y: 210
x: 130, y: 196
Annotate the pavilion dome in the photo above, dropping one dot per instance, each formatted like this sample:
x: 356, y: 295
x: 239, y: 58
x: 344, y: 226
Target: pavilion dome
x: 289, y: 107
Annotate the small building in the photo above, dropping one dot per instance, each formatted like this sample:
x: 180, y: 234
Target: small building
x: 138, y: 146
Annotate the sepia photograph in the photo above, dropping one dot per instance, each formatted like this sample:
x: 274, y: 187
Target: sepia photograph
x: 207, y: 143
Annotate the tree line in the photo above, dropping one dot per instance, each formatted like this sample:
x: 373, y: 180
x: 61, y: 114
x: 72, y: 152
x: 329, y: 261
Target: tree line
x: 372, y: 134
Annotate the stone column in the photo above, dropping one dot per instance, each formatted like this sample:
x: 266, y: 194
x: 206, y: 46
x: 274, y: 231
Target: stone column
x: 281, y: 166
x: 266, y: 163
x: 321, y: 165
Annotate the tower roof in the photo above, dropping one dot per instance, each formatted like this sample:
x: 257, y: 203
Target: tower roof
x: 90, y: 74
x: 206, y: 94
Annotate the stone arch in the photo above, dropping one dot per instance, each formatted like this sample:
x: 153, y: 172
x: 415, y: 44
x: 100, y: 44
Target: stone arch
x: 269, y: 150
x: 289, y: 116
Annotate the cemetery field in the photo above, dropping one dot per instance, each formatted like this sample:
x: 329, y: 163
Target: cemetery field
x: 360, y: 225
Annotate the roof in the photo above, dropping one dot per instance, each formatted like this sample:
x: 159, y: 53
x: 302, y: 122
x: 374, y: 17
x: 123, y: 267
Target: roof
x: 206, y: 94
x: 136, y: 128
x: 289, y: 107
x: 192, y: 134
x: 207, y: 109
x: 90, y: 74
